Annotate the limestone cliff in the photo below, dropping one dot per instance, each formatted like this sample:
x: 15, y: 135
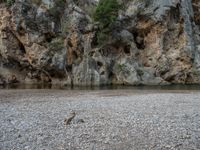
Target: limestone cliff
x: 54, y: 41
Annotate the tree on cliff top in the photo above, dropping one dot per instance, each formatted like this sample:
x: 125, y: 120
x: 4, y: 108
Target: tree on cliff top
x: 106, y: 12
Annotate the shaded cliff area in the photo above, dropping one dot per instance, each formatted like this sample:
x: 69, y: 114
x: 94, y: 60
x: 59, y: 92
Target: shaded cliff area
x: 56, y: 41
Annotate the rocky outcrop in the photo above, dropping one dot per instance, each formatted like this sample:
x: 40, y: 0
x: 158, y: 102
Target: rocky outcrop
x: 196, y: 7
x: 152, y: 42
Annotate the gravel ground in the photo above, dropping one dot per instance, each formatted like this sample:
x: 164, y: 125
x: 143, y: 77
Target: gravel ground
x: 104, y: 120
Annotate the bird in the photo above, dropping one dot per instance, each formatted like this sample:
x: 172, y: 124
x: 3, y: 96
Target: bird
x: 68, y: 121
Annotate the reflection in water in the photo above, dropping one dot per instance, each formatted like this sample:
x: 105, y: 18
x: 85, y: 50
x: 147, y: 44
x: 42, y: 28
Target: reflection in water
x: 110, y: 87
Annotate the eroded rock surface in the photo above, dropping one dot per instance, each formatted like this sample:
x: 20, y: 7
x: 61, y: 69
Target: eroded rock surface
x: 153, y: 42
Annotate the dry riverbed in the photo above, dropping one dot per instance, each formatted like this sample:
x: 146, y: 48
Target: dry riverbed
x: 99, y: 120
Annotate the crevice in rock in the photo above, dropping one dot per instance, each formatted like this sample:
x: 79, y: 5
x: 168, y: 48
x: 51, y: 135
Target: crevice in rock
x: 21, y: 45
x: 112, y: 77
x: 196, y: 7
x: 22, y: 48
x: 102, y: 73
x: 99, y: 64
x: 13, y: 43
x: 68, y: 68
x: 74, y: 55
x: 48, y: 37
x: 20, y: 31
x: 94, y: 42
x: 127, y: 49
x: 175, y: 14
x: 69, y: 43
x: 139, y: 40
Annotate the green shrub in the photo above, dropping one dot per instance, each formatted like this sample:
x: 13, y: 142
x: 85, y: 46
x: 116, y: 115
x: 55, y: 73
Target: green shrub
x: 106, y: 12
x: 65, y: 26
x: 56, y: 45
x: 9, y: 3
x: 101, y: 37
x: 91, y: 11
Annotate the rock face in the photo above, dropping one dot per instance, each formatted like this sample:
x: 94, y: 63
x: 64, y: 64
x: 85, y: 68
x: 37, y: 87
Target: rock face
x: 54, y: 41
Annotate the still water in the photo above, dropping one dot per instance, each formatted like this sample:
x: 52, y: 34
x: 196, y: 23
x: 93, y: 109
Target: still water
x: 110, y: 87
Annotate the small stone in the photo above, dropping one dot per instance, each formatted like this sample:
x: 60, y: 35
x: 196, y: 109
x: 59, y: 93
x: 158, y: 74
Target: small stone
x: 80, y: 121
x: 19, y: 136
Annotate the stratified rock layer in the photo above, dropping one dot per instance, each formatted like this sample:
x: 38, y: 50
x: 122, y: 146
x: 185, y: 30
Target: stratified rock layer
x: 152, y: 43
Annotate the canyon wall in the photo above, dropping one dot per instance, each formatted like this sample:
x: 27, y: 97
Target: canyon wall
x: 55, y: 41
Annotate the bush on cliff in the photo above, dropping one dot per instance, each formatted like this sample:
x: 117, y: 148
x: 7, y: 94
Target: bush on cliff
x: 106, y: 13
x: 8, y: 2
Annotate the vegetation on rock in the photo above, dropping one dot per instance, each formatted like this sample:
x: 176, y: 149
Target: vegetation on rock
x: 106, y: 13
x: 8, y: 2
